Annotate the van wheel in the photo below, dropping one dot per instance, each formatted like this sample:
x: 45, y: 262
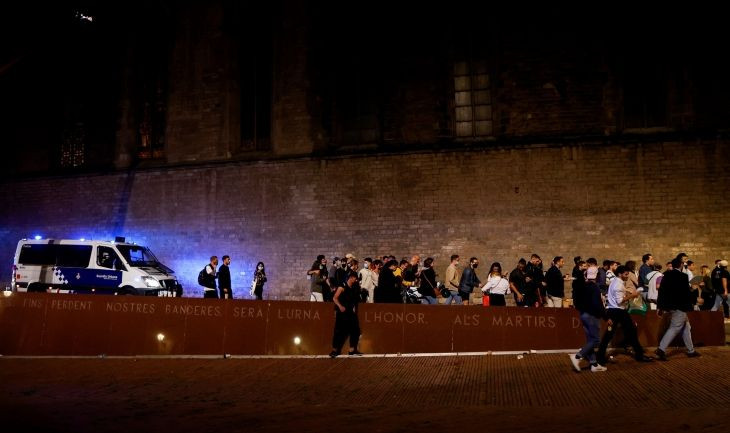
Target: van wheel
x: 35, y: 288
x: 126, y: 291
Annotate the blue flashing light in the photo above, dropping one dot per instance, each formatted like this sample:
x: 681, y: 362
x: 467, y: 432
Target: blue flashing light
x: 38, y: 237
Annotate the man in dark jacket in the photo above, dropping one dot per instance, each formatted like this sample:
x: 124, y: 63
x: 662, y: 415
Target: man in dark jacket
x: 587, y: 300
x: 554, y: 279
x: 224, y: 279
x: 469, y: 280
x: 675, y: 298
x: 534, y: 282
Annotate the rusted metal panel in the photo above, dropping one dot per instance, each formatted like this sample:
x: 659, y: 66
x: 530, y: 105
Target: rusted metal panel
x: 311, y: 322
x: 44, y: 324
x: 22, y: 320
x: 147, y: 326
x: 245, y: 327
x: 382, y: 328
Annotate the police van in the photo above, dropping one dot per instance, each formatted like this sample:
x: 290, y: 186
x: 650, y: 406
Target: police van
x: 81, y: 266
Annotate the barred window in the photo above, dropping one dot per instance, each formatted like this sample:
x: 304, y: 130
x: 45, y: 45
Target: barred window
x: 472, y: 100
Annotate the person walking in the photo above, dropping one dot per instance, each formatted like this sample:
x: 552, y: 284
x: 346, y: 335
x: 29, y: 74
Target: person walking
x: 347, y: 323
x: 675, y: 299
x: 587, y: 300
x: 617, y: 302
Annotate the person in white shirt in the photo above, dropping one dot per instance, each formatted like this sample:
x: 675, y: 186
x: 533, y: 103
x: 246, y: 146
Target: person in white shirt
x: 653, y: 279
x: 617, y: 303
x: 367, y: 282
x: 497, y: 287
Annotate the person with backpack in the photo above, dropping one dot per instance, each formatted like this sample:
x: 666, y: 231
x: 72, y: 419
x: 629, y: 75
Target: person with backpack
x: 206, y: 278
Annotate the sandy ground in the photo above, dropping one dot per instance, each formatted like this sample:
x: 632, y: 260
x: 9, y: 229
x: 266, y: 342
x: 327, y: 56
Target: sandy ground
x: 539, y: 392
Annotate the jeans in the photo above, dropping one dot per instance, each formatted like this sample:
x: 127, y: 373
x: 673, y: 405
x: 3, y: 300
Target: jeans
x: 679, y: 323
x: 718, y: 303
x: 592, y: 328
x: 430, y: 300
x: 453, y: 298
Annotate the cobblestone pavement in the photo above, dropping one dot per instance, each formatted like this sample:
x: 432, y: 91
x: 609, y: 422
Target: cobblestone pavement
x: 537, y: 392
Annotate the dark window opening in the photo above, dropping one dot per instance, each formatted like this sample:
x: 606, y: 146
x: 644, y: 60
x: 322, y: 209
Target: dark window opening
x: 645, y: 92
x: 256, y: 75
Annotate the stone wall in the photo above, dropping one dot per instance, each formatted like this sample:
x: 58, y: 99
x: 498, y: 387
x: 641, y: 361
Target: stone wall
x: 605, y: 200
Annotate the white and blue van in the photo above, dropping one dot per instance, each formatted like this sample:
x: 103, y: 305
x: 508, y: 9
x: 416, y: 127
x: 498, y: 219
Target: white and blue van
x: 88, y: 266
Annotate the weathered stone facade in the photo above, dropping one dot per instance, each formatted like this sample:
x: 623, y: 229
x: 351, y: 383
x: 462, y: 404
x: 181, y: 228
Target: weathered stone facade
x: 577, y: 142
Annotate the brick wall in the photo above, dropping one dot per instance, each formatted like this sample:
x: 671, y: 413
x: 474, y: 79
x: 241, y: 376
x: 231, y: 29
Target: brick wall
x: 607, y: 201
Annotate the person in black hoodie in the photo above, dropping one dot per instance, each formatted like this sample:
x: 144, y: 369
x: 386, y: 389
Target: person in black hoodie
x: 388, y: 289
x: 587, y: 300
x: 675, y: 298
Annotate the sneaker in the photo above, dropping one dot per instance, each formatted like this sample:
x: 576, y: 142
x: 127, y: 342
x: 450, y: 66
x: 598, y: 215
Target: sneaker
x: 333, y: 354
x: 644, y: 358
x: 693, y: 354
x: 661, y: 355
x: 575, y: 359
x: 598, y: 367
x: 355, y: 353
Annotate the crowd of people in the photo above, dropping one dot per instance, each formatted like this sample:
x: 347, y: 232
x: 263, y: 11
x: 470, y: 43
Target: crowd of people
x: 611, y: 292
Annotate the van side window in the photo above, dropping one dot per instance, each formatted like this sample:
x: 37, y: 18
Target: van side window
x: 69, y: 256
x: 37, y: 254
x: 73, y: 256
x: 108, y: 258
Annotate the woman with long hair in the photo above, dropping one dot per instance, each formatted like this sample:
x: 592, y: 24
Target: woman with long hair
x: 259, y: 278
x: 497, y: 287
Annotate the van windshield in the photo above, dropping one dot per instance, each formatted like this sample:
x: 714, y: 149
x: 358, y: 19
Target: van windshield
x: 139, y: 256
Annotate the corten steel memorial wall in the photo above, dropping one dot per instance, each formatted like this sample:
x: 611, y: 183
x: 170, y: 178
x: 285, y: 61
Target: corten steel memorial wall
x: 83, y: 325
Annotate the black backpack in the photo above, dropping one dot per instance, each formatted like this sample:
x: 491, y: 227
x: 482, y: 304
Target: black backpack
x: 203, y: 277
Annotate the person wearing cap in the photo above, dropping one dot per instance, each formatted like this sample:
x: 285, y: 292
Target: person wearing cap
x: 720, y: 277
x: 676, y: 299
x: 587, y: 300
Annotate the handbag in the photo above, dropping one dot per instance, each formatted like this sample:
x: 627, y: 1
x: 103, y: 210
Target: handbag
x: 253, y: 288
x: 638, y: 306
x: 485, y: 300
